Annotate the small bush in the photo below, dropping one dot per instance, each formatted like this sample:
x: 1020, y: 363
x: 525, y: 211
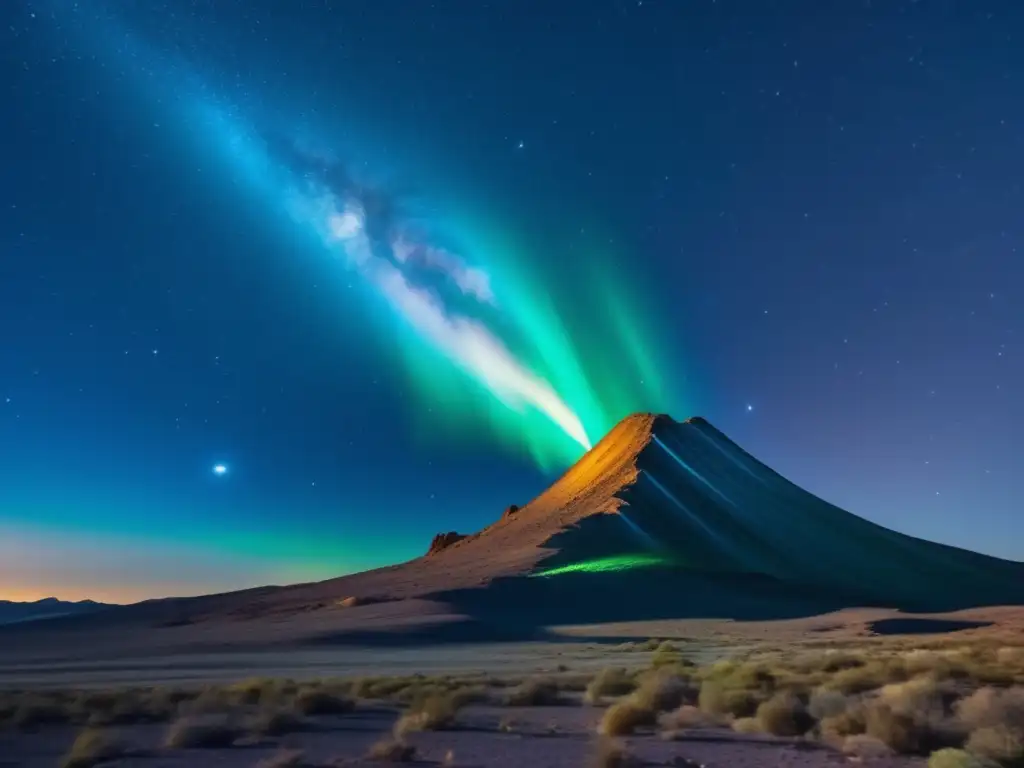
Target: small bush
x: 278, y: 722
x: 609, y: 682
x: 624, y: 717
x: 1001, y: 743
x: 904, y: 732
x: 865, y: 747
x: 534, y: 693
x: 746, y: 725
x: 686, y: 717
x: 784, y: 715
x: 662, y: 691
x: 434, y: 713
x: 826, y: 703
x: 957, y: 758
x: 34, y: 712
x: 91, y: 747
x: 320, y: 702
x: 202, y: 732
x: 991, y: 707
x: 716, y: 699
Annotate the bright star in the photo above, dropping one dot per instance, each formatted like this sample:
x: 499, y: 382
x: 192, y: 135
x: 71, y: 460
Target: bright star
x: 220, y: 469
x: 520, y: 145
x: 750, y: 408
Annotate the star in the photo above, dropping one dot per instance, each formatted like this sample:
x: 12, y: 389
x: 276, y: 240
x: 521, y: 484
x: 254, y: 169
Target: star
x: 520, y: 145
x: 220, y: 469
x: 749, y: 408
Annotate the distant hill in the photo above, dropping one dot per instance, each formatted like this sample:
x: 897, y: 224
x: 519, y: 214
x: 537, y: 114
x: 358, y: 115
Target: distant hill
x: 47, y: 608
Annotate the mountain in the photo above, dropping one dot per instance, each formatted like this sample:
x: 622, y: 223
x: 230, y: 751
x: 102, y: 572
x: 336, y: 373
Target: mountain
x: 660, y: 520
x: 47, y: 608
x: 672, y: 519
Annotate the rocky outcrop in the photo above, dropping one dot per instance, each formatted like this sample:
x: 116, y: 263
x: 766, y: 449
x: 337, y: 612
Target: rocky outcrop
x: 443, y: 541
x: 509, y: 511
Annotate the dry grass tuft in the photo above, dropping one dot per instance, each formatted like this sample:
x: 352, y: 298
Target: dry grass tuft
x: 202, y: 732
x: 278, y: 722
x: 716, y: 698
x: 1002, y: 743
x: 436, y: 712
x: 37, y: 710
x: 392, y: 750
x: 624, y: 717
x: 687, y: 717
x: 91, y: 747
x: 958, y: 758
x: 989, y: 707
x: 865, y: 747
x: 613, y: 681
x: 663, y: 690
x: 316, y: 701
x: 746, y: 725
x: 534, y: 693
x: 784, y: 714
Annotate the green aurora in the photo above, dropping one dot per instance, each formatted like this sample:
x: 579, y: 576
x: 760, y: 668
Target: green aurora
x: 585, y: 334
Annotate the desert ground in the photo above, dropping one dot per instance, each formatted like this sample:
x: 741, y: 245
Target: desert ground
x: 856, y: 686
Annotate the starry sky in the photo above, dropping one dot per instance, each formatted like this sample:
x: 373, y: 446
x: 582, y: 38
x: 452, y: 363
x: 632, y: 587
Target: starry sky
x: 799, y: 219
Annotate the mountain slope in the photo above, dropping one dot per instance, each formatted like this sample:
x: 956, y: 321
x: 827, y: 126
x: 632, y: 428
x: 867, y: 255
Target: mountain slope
x: 681, y: 497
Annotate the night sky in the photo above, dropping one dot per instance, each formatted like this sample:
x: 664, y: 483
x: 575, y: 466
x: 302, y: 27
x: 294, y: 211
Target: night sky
x: 801, y: 220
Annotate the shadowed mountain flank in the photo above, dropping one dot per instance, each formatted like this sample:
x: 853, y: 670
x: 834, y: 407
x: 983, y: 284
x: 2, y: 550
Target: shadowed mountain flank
x: 680, y: 505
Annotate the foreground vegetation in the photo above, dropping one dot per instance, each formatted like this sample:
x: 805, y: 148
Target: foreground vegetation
x: 961, y: 703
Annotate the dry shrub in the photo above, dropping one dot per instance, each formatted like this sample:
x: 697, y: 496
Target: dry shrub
x: 784, y: 715
x: 202, y: 732
x: 278, y: 722
x: 316, y: 701
x: 613, y: 681
x: 868, y: 677
x: 611, y: 754
x: 920, y: 696
x: 687, y: 717
x: 717, y: 699
x: 91, y: 747
x: 826, y: 703
x: 35, y: 711
x: 746, y: 725
x: 990, y: 707
x: 211, y: 701
x: 534, y: 693
x: 1001, y: 743
x: 127, y: 707
x: 668, y: 654
x: 905, y: 732
x: 957, y: 758
x: 255, y: 690
x: 624, y: 717
x: 663, y: 690
x: 865, y: 747
x: 392, y: 750
x: 437, y: 712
